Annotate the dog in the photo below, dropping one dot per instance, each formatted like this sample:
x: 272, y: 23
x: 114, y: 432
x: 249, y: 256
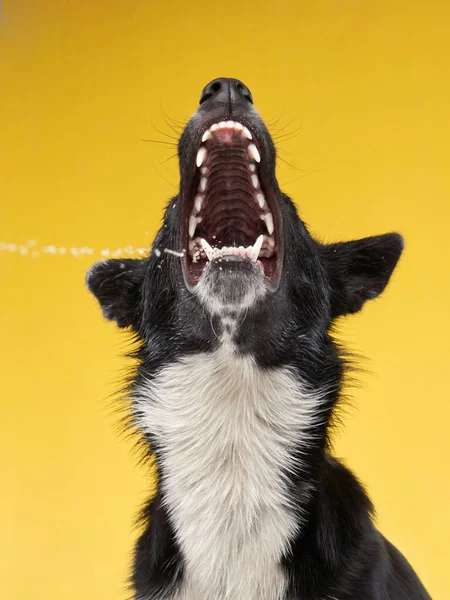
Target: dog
x: 238, y: 378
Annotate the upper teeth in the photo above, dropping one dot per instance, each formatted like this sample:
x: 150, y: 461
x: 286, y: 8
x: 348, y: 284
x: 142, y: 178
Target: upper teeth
x: 261, y: 200
x: 206, y: 136
x: 244, y: 131
x: 201, y: 155
x: 193, y: 222
x: 268, y: 219
x: 203, y: 160
x: 253, y: 152
x: 198, y: 203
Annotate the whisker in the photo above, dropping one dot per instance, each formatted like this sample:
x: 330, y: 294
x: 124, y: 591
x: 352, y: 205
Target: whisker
x: 170, y: 158
x: 171, y: 144
x: 289, y: 164
x: 175, y: 126
x: 162, y: 177
x: 271, y: 124
x: 288, y: 124
x: 164, y: 133
x: 305, y: 173
x: 288, y: 135
x: 178, y: 124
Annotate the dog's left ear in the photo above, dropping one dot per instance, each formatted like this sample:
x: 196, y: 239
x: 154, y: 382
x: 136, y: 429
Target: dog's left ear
x: 360, y: 270
x: 117, y: 286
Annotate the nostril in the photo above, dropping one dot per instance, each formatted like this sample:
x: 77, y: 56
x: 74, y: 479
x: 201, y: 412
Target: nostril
x: 211, y: 90
x: 244, y: 91
x: 226, y: 90
x: 204, y: 97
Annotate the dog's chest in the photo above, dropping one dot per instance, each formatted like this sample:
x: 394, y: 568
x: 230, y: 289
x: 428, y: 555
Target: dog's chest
x: 226, y: 430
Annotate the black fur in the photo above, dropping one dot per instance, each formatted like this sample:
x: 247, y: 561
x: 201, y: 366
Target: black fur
x: 338, y: 554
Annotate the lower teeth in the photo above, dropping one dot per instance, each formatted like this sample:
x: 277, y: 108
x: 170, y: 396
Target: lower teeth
x: 251, y: 252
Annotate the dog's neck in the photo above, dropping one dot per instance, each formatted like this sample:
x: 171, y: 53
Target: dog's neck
x: 229, y: 436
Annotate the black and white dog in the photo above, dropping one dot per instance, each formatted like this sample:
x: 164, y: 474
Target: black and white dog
x: 238, y: 377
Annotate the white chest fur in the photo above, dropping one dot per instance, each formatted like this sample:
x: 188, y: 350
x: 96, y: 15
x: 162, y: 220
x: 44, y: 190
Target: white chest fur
x: 225, y: 429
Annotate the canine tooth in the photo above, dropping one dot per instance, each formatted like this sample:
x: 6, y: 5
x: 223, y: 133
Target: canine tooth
x: 198, y: 203
x: 209, y: 251
x: 261, y: 199
x: 206, y: 136
x: 257, y: 248
x: 203, y: 182
x: 246, y: 134
x: 255, y: 181
x: 268, y: 219
x: 201, y: 155
x: 193, y: 222
x: 253, y: 152
x: 192, y: 225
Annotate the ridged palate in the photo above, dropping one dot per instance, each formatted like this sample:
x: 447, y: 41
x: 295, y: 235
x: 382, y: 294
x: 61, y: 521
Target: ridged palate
x: 229, y: 208
x: 229, y: 205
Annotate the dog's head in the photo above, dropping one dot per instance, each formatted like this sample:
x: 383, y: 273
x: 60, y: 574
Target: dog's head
x: 243, y: 250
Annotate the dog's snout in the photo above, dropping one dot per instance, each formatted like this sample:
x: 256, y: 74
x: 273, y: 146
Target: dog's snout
x: 225, y: 90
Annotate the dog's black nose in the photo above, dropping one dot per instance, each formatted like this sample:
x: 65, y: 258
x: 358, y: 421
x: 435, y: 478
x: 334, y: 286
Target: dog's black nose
x: 225, y: 90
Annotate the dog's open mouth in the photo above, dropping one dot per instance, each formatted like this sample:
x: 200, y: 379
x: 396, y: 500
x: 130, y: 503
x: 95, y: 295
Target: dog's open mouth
x: 231, y: 214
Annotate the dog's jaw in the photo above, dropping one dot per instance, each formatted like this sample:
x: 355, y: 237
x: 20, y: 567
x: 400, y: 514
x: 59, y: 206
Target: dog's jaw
x: 230, y: 286
x: 230, y: 200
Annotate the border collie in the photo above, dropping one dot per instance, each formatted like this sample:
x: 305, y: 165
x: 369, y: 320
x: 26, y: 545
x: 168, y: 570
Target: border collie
x: 238, y: 378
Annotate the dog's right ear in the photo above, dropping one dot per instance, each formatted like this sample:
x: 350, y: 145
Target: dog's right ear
x: 117, y: 286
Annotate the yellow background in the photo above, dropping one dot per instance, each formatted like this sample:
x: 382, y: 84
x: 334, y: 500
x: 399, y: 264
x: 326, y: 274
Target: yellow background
x: 82, y: 82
